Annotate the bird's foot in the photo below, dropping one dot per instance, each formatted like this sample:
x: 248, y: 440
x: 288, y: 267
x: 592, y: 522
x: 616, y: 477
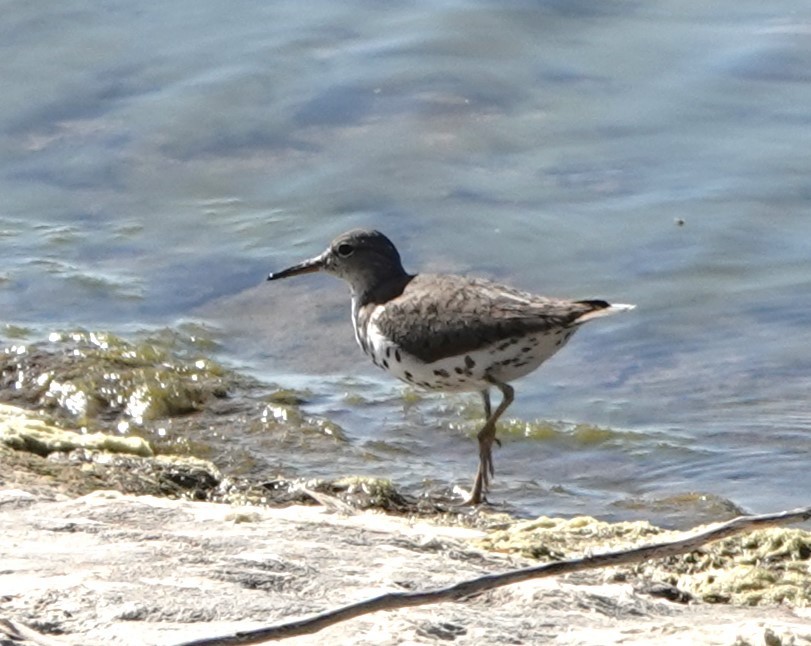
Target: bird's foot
x: 486, y: 471
x: 471, y: 501
x: 481, y: 484
x: 476, y: 496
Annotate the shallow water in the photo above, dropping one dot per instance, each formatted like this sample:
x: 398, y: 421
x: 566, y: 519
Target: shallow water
x: 157, y: 162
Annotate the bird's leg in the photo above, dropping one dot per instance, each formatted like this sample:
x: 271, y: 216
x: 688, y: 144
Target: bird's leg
x: 487, y: 434
x: 488, y: 410
x: 486, y: 437
x: 486, y: 398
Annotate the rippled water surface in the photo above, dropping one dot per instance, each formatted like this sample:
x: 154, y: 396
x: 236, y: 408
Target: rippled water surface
x: 156, y: 161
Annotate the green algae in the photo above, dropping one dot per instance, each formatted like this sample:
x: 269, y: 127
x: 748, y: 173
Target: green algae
x: 85, y: 377
x: 22, y: 432
x: 585, y: 435
x: 563, y: 538
x: 354, y: 399
x: 288, y: 397
x: 31, y: 450
x: 765, y: 567
x: 411, y: 396
x: 171, y: 476
x: 289, y: 417
x: 365, y: 492
x: 162, y: 385
x: 16, y: 332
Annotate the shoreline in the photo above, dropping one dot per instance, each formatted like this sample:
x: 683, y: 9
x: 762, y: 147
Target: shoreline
x: 105, y: 567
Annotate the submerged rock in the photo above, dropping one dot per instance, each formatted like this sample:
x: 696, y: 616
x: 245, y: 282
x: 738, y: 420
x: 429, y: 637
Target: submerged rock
x: 163, y: 389
x: 92, y: 377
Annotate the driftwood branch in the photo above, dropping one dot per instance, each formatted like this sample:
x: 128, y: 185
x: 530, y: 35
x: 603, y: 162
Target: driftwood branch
x: 17, y: 632
x: 395, y: 600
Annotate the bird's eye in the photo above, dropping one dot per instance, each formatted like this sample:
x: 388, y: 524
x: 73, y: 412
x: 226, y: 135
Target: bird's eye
x: 345, y: 250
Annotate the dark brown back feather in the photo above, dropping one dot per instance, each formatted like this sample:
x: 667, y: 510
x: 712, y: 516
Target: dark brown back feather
x: 438, y: 316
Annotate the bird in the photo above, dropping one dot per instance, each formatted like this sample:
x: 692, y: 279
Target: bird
x: 447, y: 332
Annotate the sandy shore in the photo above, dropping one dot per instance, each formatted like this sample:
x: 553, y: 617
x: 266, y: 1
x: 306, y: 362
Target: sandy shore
x: 114, y: 569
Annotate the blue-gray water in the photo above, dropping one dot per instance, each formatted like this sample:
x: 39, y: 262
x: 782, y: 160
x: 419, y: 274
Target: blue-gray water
x: 157, y: 160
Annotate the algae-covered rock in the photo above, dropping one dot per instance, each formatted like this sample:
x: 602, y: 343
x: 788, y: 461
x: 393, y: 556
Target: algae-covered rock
x: 558, y: 538
x: 36, y: 454
x: 769, y: 566
x: 174, y: 476
x: 283, y: 411
x: 370, y: 493
x: 87, y: 376
x: 22, y: 431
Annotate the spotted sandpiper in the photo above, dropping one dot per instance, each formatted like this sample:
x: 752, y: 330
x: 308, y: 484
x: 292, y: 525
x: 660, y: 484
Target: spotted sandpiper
x: 445, y: 332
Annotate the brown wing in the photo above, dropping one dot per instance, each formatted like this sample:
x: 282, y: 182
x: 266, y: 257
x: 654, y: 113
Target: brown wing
x: 438, y: 316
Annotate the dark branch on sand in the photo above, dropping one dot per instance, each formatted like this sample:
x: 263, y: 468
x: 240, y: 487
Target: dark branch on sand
x: 396, y: 600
